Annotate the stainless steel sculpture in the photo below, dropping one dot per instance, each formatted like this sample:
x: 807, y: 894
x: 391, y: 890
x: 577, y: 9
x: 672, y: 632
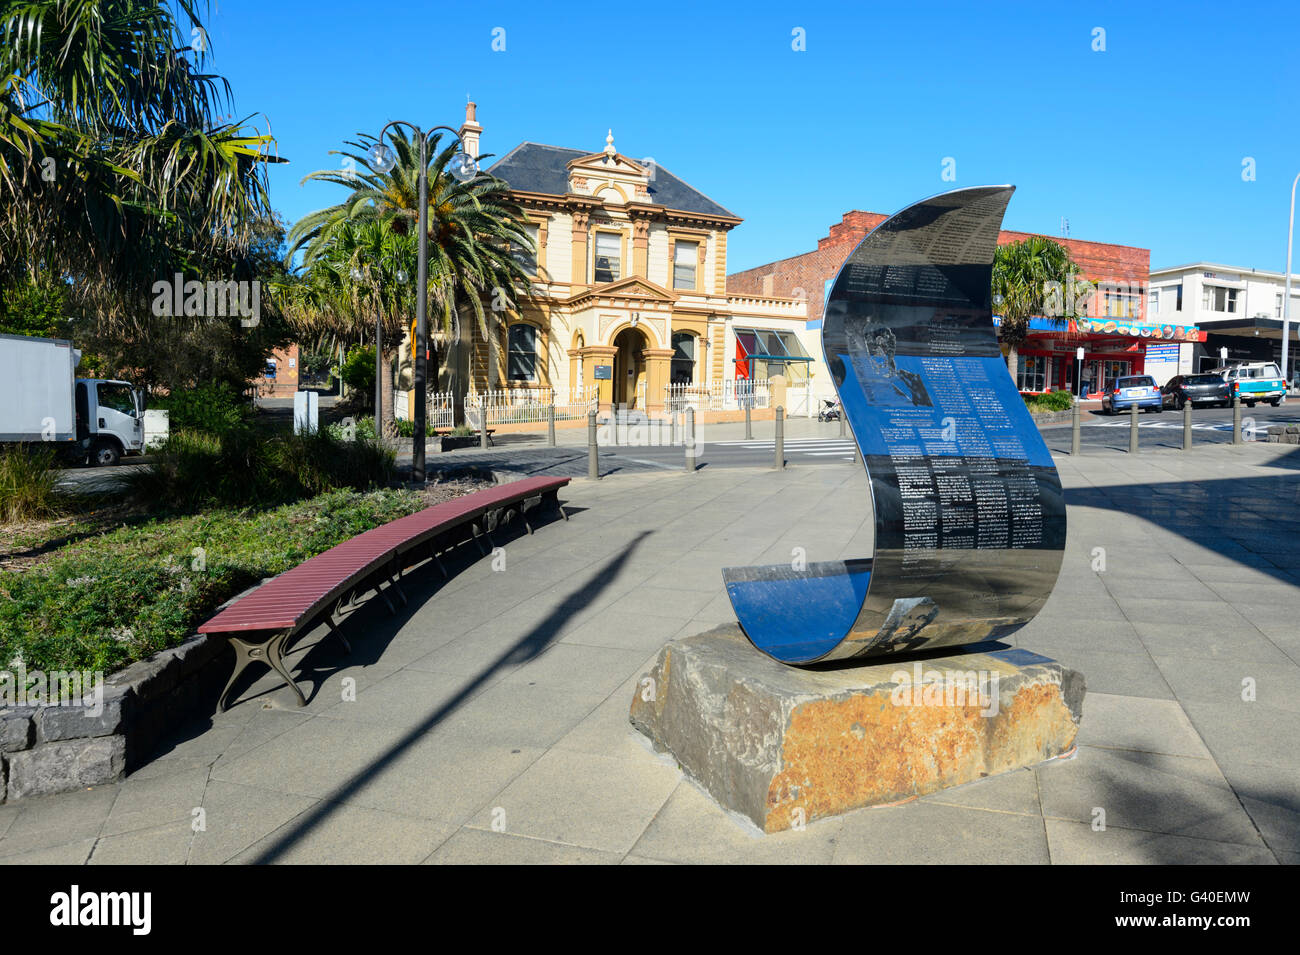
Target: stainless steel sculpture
x: 969, y: 515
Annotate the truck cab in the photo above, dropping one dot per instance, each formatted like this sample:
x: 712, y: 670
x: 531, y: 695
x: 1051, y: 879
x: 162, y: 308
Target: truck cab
x: 1255, y: 381
x: 110, y: 419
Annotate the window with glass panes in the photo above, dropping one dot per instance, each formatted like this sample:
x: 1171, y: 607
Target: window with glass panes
x: 608, y: 264
x: 683, y: 368
x: 1217, y: 298
x: 1032, y: 373
x: 527, y: 258
x: 686, y: 256
x: 521, y: 353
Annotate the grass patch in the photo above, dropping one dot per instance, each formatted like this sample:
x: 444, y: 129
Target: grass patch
x: 104, y: 602
x: 194, y: 469
x: 27, y: 478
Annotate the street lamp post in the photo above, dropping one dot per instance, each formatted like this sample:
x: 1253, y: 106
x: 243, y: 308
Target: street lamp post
x: 463, y: 167
x: 1286, y: 295
x: 1078, y: 374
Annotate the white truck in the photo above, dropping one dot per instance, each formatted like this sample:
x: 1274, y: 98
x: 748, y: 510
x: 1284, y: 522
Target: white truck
x: 43, y: 400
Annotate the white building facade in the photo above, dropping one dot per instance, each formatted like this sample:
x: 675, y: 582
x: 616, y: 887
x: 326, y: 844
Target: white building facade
x: 1240, y: 309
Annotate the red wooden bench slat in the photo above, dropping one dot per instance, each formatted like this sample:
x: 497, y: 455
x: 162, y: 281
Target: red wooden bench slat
x: 286, y: 600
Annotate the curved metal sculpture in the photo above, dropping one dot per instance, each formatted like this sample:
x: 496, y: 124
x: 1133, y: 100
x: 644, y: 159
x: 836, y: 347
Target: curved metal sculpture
x: 969, y: 515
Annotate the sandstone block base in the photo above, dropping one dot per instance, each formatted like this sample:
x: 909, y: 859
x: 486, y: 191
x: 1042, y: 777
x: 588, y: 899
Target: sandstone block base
x: 784, y: 746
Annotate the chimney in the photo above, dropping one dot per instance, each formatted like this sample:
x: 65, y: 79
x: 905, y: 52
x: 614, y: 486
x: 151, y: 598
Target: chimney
x: 470, y: 129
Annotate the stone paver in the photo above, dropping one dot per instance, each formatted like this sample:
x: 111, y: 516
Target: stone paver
x: 490, y: 717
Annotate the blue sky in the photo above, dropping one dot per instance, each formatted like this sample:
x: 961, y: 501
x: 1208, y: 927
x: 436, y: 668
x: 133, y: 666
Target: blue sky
x: 1142, y: 144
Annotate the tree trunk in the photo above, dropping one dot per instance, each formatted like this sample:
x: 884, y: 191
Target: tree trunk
x: 1013, y: 364
x: 386, y: 391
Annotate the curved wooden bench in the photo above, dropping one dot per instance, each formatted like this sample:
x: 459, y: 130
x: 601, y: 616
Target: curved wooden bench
x: 261, y: 624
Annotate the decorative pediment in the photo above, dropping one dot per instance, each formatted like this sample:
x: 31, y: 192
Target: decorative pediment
x: 634, y: 288
x: 604, y: 164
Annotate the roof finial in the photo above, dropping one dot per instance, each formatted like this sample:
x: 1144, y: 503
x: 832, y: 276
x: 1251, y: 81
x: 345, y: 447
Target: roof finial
x: 609, y: 144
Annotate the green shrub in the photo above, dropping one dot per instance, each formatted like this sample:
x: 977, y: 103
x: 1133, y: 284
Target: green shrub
x: 193, y: 470
x: 109, y: 600
x: 27, y: 479
x: 358, y: 369
x: 362, y: 428
x: 214, y: 408
x: 1051, y: 401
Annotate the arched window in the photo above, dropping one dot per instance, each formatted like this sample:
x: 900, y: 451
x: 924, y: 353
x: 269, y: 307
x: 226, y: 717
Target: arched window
x: 521, y: 353
x: 683, y: 370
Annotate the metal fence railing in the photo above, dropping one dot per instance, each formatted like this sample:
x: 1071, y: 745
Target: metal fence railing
x: 513, y: 406
x: 728, y: 394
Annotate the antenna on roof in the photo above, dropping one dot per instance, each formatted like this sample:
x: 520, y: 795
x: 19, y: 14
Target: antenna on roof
x: 1065, y: 227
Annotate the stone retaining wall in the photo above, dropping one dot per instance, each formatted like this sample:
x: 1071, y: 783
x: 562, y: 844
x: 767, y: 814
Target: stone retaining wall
x: 54, y: 749
x: 1284, y: 434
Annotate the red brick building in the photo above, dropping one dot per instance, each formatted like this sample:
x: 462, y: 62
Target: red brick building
x: 1115, y: 336
x: 279, y: 379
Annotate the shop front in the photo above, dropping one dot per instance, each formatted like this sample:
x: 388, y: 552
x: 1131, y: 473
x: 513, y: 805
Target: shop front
x: 1049, y: 359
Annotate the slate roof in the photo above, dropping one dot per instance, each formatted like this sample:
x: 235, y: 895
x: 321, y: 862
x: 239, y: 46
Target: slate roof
x: 535, y: 167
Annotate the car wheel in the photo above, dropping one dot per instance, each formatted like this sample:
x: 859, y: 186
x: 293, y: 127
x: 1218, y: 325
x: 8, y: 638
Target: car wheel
x: 1275, y: 402
x: 1250, y: 404
x: 105, y: 454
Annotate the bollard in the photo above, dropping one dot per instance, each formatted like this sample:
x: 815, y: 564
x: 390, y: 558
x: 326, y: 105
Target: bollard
x: 1187, y: 426
x: 1075, y: 415
x: 688, y: 438
x: 482, y: 432
x: 593, y: 460
x: 841, y: 421
x: 1133, y: 429
x: 550, y: 425
x: 1236, y: 419
x: 749, y: 423
x: 780, y: 437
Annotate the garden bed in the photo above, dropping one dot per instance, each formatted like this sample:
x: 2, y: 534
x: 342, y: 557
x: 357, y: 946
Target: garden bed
x: 122, y: 603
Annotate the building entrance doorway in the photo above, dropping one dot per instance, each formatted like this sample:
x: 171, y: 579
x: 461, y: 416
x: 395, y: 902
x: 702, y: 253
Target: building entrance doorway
x: 629, y: 368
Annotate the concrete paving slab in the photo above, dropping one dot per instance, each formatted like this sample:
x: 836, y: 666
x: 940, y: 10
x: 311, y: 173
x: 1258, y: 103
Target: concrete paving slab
x: 929, y: 833
x: 1172, y: 794
x: 350, y: 835
x: 692, y: 829
x: 596, y: 802
x: 479, y: 847
x: 1141, y: 725
x: 1075, y: 843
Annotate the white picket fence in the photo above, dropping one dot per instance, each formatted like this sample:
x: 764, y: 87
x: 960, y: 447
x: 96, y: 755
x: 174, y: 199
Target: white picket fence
x: 514, y: 406
x: 728, y: 394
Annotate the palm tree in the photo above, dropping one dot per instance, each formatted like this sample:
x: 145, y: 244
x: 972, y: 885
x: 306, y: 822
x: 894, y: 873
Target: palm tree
x: 361, y: 279
x: 117, y: 166
x: 1026, y: 275
x: 475, y: 230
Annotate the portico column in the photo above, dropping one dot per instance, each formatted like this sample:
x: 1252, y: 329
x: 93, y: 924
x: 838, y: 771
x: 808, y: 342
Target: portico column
x: 658, y: 372
x: 592, y: 357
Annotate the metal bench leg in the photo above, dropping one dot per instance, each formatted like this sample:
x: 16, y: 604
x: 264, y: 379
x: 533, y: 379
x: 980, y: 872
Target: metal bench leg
x: 270, y: 653
x: 380, y: 590
x: 395, y: 581
x: 275, y: 657
x: 438, y: 563
x: 329, y: 621
x: 478, y: 538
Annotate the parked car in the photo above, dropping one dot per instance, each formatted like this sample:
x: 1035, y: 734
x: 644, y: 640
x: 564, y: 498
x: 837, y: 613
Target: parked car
x: 1255, y: 381
x: 1203, y: 389
x: 1135, y: 390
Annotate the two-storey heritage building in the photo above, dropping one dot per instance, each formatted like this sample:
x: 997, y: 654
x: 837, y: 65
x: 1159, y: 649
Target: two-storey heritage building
x: 629, y: 289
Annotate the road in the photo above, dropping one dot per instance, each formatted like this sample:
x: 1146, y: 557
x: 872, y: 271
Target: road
x: 808, y: 443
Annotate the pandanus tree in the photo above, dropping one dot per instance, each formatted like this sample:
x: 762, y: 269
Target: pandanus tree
x: 475, y: 232
x: 118, y: 162
x: 1027, y: 276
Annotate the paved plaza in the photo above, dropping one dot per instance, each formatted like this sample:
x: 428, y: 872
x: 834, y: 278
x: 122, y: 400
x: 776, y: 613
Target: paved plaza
x: 490, y: 720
